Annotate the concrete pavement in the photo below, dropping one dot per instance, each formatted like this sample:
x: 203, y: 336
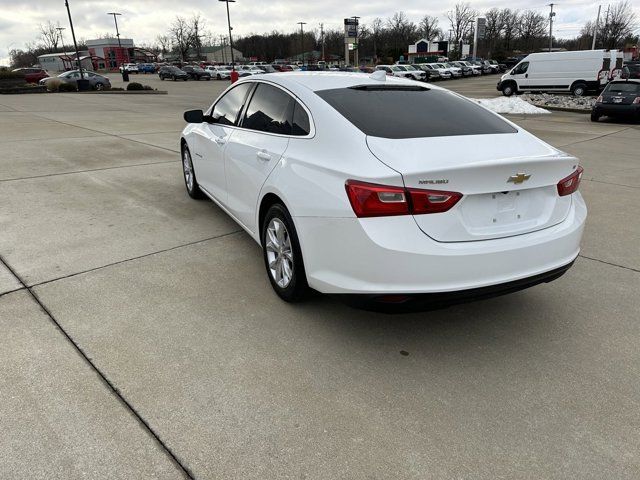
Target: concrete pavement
x: 170, y: 304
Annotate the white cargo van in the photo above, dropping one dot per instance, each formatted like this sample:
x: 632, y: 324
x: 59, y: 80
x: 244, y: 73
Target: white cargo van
x: 575, y: 72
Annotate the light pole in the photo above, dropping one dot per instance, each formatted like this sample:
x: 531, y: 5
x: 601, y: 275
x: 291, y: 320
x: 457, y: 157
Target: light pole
x: 302, y: 39
x: 551, y: 15
x: 73, y: 34
x: 234, y: 75
x: 115, y: 19
x: 60, y: 29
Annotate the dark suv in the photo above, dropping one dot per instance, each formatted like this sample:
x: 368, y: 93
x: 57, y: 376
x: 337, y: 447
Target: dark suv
x: 196, y: 72
x: 174, y: 73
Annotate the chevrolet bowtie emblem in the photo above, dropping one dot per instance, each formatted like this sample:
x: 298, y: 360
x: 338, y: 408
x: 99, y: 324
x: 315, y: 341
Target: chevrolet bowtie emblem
x: 519, y: 178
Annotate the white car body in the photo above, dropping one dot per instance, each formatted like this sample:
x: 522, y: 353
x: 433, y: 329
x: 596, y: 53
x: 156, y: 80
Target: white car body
x: 219, y: 72
x: 455, y: 71
x: 401, y: 72
x: 250, y: 69
x: 130, y: 68
x: 476, y: 69
x: 444, y: 72
x: 510, y: 224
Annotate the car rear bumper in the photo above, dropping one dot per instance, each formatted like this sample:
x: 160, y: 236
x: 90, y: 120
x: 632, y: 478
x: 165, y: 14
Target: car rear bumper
x: 616, y: 109
x: 391, y: 255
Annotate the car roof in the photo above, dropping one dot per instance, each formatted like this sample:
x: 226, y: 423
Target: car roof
x: 316, y: 81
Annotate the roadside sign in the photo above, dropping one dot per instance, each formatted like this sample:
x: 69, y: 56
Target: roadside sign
x: 351, y: 28
x: 482, y: 27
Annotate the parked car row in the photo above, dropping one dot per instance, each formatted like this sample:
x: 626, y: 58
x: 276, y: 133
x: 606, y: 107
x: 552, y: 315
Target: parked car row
x: 431, y: 72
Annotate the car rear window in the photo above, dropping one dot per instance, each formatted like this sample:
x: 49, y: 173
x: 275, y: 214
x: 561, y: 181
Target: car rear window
x: 626, y: 87
x: 395, y: 111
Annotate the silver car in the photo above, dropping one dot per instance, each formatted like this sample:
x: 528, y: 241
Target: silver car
x: 97, y: 81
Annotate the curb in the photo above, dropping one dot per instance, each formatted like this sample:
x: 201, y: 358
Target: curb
x: 561, y: 109
x: 124, y: 92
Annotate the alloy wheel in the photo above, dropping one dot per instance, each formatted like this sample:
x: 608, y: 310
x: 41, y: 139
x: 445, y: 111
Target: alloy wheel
x: 187, y: 168
x: 279, y: 253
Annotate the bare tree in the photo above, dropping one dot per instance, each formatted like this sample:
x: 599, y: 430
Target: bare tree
x: 509, y: 19
x: 49, y: 35
x: 376, y: 30
x: 428, y: 28
x: 197, y: 33
x: 402, y: 32
x: 181, y: 35
x: 532, y: 25
x: 164, y: 41
x: 493, y: 29
x: 460, y: 19
x: 619, y: 24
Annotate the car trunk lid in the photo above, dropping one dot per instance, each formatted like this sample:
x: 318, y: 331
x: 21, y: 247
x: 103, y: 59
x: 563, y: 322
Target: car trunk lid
x: 508, y: 182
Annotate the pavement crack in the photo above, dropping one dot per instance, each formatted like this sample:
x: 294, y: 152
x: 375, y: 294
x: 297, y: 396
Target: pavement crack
x: 185, y: 470
x: 89, y: 170
x: 610, y: 263
x: 75, y: 274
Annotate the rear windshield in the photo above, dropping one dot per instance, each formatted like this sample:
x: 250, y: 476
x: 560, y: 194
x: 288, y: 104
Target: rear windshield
x: 630, y: 87
x: 412, y: 112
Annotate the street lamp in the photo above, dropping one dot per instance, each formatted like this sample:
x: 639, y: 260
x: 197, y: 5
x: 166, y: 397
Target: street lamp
x: 302, y: 39
x: 73, y: 34
x: 234, y: 75
x: 115, y: 19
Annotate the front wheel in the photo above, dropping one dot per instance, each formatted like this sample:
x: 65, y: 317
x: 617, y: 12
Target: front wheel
x: 508, y: 90
x: 99, y: 86
x: 190, y: 175
x: 595, y: 116
x: 282, y: 255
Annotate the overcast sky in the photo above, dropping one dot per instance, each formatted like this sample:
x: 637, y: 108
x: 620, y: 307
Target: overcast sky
x: 143, y: 20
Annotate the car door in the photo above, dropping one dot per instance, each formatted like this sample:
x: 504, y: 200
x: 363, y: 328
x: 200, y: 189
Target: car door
x: 521, y: 76
x: 211, y: 140
x: 256, y: 148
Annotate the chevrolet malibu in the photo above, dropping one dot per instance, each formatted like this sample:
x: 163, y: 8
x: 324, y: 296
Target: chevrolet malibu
x: 384, y: 187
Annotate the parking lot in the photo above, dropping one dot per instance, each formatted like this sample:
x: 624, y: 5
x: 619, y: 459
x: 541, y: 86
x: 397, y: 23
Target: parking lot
x: 141, y: 337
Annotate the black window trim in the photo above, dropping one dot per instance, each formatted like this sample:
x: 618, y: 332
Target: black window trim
x: 254, y: 85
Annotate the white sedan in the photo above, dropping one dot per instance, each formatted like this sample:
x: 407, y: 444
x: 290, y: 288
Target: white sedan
x: 384, y: 187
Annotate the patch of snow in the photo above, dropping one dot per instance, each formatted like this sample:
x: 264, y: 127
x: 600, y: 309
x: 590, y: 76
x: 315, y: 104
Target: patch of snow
x: 509, y: 105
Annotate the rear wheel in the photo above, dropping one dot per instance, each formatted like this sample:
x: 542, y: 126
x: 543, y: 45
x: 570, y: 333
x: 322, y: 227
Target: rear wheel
x: 190, y: 175
x: 282, y: 255
x: 99, y: 86
x: 595, y: 116
x: 579, y: 89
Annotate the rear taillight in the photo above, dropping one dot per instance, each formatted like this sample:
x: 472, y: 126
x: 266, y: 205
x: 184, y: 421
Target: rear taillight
x: 432, y: 201
x: 570, y: 184
x: 372, y: 200
x: 599, y: 99
x: 636, y: 100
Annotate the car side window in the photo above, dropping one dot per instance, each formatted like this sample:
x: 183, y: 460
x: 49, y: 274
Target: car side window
x: 301, y: 125
x: 521, y: 68
x: 226, y: 111
x: 270, y: 110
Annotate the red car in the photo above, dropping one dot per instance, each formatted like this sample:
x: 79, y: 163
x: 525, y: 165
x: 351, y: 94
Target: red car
x: 33, y: 75
x: 282, y: 68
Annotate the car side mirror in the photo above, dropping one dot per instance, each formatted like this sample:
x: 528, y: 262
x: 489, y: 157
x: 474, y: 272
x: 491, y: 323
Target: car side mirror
x: 194, y: 116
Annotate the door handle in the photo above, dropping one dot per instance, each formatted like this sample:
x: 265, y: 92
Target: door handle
x: 263, y: 156
x: 220, y: 140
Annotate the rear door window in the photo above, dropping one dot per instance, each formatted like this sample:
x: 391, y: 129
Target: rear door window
x: 624, y: 87
x: 270, y: 110
x: 227, y: 109
x: 412, y: 112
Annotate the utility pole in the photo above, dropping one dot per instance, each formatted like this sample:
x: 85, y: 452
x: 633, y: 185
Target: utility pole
x: 234, y: 75
x: 115, y: 19
x: 60, y: 29
x: 73, y: 34
x: 222, y: 48
x: 605, y: 33
x: 551, y: 15
x: 322, y: 39
x: 302, y: 39
x: 595, y: 29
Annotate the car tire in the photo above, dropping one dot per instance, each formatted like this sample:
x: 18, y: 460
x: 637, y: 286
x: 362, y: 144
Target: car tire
x: 579, y: 89
x: 508, y: 89
x: 219, y: 77
x: 185, y: 79
x: 99, y: 86
x: 174, y: 78
x: 595, y: 116
x: 282, y: 255
x: 189, y: 174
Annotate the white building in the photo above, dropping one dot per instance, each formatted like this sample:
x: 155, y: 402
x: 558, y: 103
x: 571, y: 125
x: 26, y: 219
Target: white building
x: 61, y: 62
